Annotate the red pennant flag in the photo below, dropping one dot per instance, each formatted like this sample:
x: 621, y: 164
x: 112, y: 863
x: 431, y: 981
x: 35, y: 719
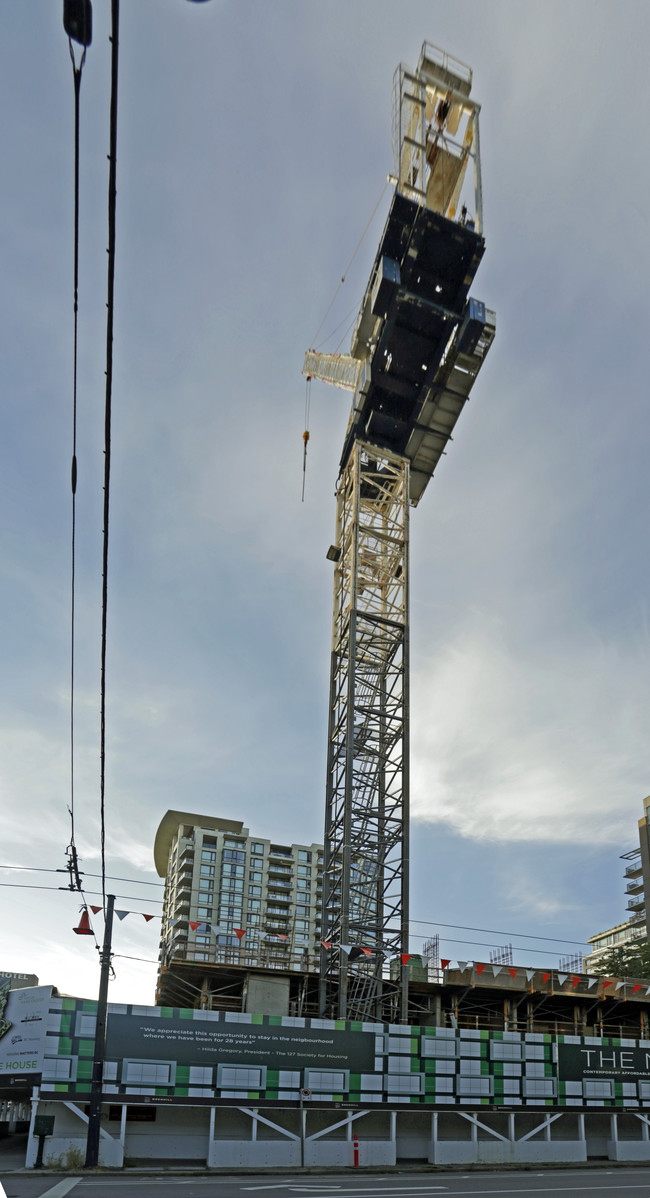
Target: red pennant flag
x: 194, y: 924
x: 240, y: 932
x: 406, y: 957
x: 278, y: 936
x: 637, y: 987
x: 513, y: 973
x: 147, y: 917
x: 574, y: 982
x: 445, y: 961
x: 545, y: 977
x: 326, y: 943
x: 367, y: 951
x: 479, y: 969
x: 606, y: 984
x: 94, y: 909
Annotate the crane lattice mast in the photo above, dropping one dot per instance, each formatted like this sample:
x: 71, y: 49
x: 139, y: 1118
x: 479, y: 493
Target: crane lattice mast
x: 418, y: 343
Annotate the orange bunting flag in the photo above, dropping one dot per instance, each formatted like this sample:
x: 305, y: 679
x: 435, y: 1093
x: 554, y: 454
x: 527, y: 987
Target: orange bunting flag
x: 239, y: 933
x: 406, y: 957
x: 479, y: 969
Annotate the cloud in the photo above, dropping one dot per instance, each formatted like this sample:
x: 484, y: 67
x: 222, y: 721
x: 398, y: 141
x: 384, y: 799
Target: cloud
x: 546, y: 743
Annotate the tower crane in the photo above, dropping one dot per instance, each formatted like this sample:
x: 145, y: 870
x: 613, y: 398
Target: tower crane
x: 417, y: 346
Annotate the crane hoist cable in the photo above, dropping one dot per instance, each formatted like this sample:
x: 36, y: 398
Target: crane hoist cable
x: 345, y: 272
x: 305, y: 435
x: 77, y: 22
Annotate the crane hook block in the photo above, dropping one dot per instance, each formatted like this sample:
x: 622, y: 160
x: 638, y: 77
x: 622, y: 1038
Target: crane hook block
x: 78, y: 21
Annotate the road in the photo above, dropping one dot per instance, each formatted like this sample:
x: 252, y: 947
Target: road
x: 584, y: 1183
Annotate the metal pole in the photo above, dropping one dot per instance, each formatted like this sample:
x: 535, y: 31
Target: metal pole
x: 95, y: 1107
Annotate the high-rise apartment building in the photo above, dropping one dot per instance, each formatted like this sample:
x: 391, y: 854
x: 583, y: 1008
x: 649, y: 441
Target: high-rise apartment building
x: 234, y: 898
x: 637, y: 878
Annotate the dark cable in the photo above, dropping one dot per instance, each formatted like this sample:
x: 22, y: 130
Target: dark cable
x: 112, y: 193
x: 71, y: 852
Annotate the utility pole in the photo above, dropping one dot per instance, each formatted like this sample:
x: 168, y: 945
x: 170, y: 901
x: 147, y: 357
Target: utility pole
x: 95, y: 1109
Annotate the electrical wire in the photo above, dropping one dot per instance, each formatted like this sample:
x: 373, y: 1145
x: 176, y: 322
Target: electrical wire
x: 112, y: 198
x: 109, y: 877
x: 71, y: 851
x: 459, y: 927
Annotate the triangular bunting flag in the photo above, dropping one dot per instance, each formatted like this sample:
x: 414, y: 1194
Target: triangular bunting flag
x: 575, y: 981
x: 497, y: 969
x: 326, y: 943
x: 445, y: 962
x: 122, y: 914
x: 367, y: 951
x: 479, y: 969
x: 562, y: 977
x: 462, y: 966
x: 239, y: 933
x: 593, y: 982
x: 605, y: 983
x: 282, y: 938
x: 513, y: 972
x: 406, y: 957
x: 172, y: 922
x: 618, y: 985
x: 546, y: 977
x: 194, y: 923
x: 345, y: 948
x: 94, y: 909
x: 146, y: 917
x: 219, y: 931
x: 647, y: 992
x: 530, y: 973
x: 637, y: 987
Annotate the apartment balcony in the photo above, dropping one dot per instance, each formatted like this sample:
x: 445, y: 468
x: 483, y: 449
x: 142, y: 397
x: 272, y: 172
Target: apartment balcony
x: 284, y: 912
x: 636, y: 905
x: 633, y: 871
x: 635, y: 887
x: 281, y: 850
x: 280, y: 882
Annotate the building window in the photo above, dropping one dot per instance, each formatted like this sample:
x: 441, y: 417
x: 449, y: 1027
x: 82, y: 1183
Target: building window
x: 203, y: 940
x: 256, y: 847
x: 206, y: 896
x: 304, y: 871
x: 207, y: 871
x: 204, y: 912
x: 303, y: 856
x: 232, y: 884
x: 254, y: 891
x: 254, y: 875
x: 254, y: 905
x: 234, y: 844
x: 302, y: 925
x: 302, y: 910
x: 227, y: 941
x: 208, y: 855
x: 232, y: 855
x: 229, y: 870
x: 257, y: 862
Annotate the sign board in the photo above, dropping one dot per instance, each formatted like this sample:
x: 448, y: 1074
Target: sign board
x: 601, y: 1062
x: 44, y: 1125
x: 23, y: 1021
x: 200, y: 1042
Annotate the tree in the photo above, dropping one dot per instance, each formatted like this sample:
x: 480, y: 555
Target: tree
x: 629, y: 961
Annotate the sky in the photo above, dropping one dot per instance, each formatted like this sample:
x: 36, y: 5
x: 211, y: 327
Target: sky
x: 254, y: 143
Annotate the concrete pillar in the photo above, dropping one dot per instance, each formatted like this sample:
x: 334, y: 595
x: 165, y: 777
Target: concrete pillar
x: 123, y: 1125
x: 511, y: 1127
